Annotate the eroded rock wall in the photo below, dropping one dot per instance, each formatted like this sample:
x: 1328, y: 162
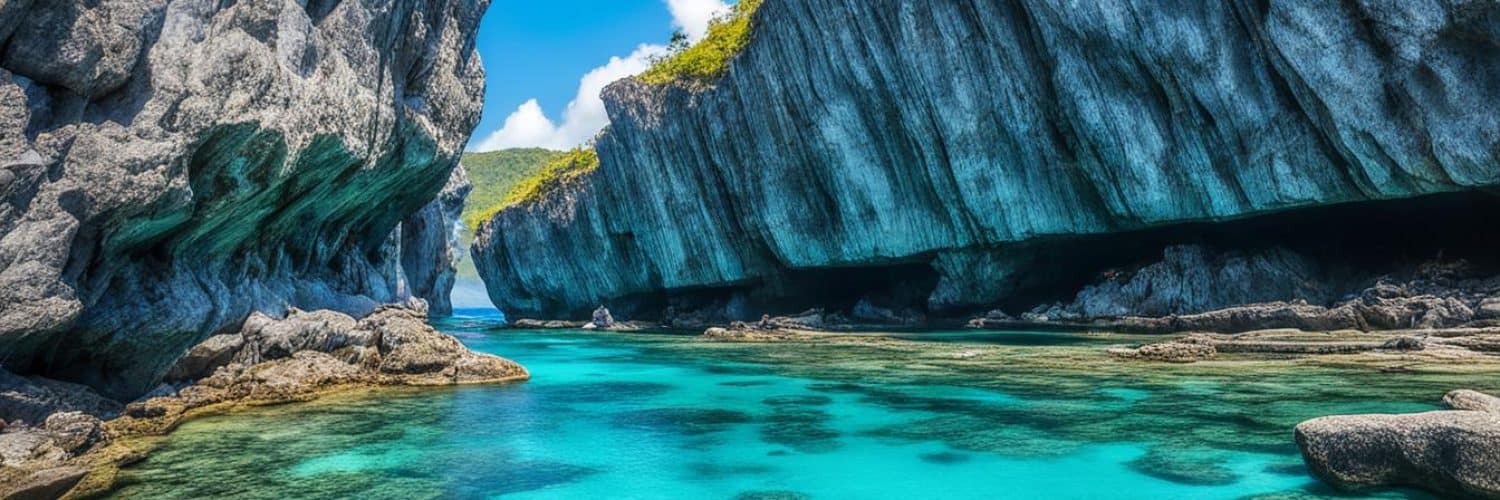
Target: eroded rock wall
x: 866, y: 133
x: 167, y: 168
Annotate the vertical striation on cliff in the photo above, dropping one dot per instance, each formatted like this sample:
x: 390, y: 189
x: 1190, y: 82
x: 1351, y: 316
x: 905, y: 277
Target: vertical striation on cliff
x: 956, y: 133
x: 168, y: 168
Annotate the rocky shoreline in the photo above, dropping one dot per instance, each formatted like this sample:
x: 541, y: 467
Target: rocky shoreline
x: 1453, y: 452
x: 1191, y: 289
x: 63, y: 439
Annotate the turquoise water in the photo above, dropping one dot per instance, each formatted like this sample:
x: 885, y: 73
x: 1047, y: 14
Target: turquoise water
x: 658, y: 416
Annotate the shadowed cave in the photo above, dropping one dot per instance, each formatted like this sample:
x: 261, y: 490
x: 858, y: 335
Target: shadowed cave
x: 1351, y: 244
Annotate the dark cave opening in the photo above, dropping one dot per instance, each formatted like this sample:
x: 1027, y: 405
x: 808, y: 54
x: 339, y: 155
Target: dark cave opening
x: 1353, y: 241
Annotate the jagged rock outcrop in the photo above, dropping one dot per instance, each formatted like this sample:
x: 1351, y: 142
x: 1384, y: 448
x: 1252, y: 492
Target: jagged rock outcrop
x: 54, y: 434
x: 856, y: 133
x: 1194, y: 279
x: 168, y: 168
x: 1195, y: 288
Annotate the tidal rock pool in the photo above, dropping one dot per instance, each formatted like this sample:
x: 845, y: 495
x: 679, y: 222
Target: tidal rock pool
x: 954, y: 415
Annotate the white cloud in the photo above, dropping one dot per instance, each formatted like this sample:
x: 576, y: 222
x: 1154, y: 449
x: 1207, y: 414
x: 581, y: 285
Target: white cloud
x: 692, y: 16
x: 528, y: 126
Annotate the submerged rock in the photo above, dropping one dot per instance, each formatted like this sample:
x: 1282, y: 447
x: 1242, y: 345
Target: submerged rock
x: 172, y: 167
x: 1175, y: 352
x: 1454, y: 452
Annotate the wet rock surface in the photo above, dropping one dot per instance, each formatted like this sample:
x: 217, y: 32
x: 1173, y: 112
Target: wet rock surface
x: 169, y: 168
x: 1453, y: 452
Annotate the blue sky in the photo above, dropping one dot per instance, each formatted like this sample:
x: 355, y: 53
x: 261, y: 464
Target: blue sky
x: 547, y: 59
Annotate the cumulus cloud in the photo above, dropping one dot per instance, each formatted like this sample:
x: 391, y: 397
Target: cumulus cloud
x: 528, y: 126
x: 692, y: 16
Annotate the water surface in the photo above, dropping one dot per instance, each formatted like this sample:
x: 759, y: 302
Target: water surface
x: 658, y: 416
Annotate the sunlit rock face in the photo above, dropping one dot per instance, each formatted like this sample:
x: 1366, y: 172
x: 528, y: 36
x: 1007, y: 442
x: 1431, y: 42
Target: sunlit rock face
x: 169, y: 167
x: 865, y: 133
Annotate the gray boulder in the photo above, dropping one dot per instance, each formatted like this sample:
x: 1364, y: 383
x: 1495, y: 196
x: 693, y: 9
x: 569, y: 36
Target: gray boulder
x: 1465, y: 399
x: 602, y: 318
x: 1452, y: 452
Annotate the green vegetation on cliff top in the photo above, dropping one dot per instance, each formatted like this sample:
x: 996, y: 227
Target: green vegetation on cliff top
x: 495, y: 173
x: 559, y: 168
x: 709, y: 58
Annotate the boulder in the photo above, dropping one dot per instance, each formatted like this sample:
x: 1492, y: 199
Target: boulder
x: 30, y: 400
x: 602, y: 318
x: 204, y: 358
x: 1465, y: 399
x: 1489, y: 308
x: 1173, y: 352
x: 73, y: 431
x: 1450, y: 452
x: 47, y: 484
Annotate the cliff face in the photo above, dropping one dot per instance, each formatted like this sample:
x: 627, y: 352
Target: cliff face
x: 170, y: 167
x: 962, y: 133
x: 430, y: 242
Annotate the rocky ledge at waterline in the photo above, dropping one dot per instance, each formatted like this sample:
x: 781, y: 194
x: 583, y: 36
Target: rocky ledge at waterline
x: 955, y: 154
x: 169, y: 168
x: 1194, y: 288
x: 64, y: 436
x: 1455, y: 452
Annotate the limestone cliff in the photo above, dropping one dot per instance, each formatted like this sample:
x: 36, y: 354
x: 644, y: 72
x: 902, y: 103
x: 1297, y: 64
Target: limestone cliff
x: 961, y: 134
x: 169, y: 167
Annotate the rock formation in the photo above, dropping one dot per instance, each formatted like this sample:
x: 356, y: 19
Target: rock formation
x: 430, y: 245
x: 1454, y: 452
x: 982, y: 143
x: 59, y: 435
x: 169, y: 168
x: 1198, y: 289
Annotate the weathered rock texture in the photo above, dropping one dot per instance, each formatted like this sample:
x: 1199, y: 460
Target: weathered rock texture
x: 168, y: 168
x: 52, y: 434
x: 870, y: 133
x: 1454, y: 452
x: 1195, y: 288
x: 430, y: 245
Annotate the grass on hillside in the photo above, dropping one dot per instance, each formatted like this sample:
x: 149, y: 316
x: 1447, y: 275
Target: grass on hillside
x: 709, y: 58
x: 495, y: 173
x: 563, y: 167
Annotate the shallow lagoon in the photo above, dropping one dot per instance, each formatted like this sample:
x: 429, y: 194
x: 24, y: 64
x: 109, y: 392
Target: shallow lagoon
x: 660, y: 416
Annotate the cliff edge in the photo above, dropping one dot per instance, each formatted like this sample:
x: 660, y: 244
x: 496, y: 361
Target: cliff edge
x: 168, y: 168
x: 950, y: 155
